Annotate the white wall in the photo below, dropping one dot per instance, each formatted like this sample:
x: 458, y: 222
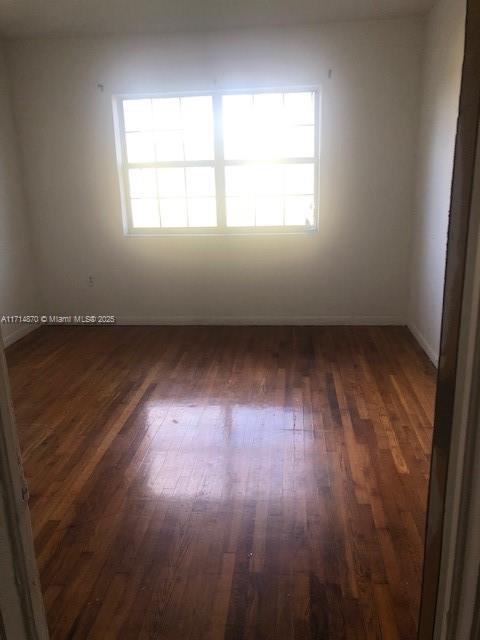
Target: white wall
x: 439, y: 111
x: 353, y: 270
x: 18, y: 292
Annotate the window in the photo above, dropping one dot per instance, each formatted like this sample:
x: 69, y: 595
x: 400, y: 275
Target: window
x: 220, y: 163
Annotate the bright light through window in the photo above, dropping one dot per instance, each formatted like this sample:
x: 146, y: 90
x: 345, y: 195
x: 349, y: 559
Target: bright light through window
x: 220, y: 163
x: 270, y: 195
x: 269, y: 126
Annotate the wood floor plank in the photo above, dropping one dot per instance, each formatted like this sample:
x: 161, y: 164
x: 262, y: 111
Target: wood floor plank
x: 235, y: 483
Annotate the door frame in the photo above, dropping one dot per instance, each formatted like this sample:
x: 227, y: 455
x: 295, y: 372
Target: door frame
x: 449, y: 550
x: 22, y: 612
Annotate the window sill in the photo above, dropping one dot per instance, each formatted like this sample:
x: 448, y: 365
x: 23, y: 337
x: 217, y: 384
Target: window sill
x: 202, y: 232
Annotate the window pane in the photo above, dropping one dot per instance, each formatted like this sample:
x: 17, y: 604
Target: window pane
x: 237, y: 110
x: 171, y: 183
x: 254, y: 179
x: 238, y: 181
x: 200, y: 181
x: 269, y: 125
x: 268, y: 184
x: 137, y: 115
x: 169, y: 146
x: 299, y: 179
x: 268, y: 110
x: 197, y: 113
x: 238, y: 144
x: 173, y: 212
x: 240, y: 212
x: 198, y: 145
x: 268, y: 180
x: 202, y: 212
x: 299, y: 210
x: 166, y: 113
x: 140, y: 147
x: 299, y: 142
x: 197, y: 116
x: 145, y: 213
x: 238, y: 126
x: 300, y: 108
x: 267, y: 144
x: 142, y: 183
x: 269, y: 212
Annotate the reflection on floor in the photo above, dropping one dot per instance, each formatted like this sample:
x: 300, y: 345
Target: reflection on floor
x: 221, y: 482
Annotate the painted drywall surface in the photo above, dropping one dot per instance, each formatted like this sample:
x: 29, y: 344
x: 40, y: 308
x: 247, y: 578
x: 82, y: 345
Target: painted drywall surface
x: 439, y: 111
x: 29, y: 18
x: 17, y: 276
x: 353, y: 270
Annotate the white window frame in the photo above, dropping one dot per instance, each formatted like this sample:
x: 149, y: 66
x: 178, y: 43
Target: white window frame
x: 219, y: 164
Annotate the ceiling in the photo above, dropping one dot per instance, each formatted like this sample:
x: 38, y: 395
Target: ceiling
x: 27, y: 18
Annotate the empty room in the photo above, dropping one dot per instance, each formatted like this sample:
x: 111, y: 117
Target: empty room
x: 223, y: 239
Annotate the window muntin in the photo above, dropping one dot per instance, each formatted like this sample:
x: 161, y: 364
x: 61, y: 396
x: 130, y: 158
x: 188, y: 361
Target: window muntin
x: 220, y: 163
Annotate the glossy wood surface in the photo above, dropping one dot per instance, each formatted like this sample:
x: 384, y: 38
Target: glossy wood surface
x: 208, y: 483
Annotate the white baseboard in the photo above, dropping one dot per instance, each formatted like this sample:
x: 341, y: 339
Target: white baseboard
x: 260, y: 320
x: 429, y: 350
x: 19, y: 333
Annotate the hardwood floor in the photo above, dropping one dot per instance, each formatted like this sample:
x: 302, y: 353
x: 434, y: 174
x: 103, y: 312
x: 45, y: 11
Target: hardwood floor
x: 203, y: 483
